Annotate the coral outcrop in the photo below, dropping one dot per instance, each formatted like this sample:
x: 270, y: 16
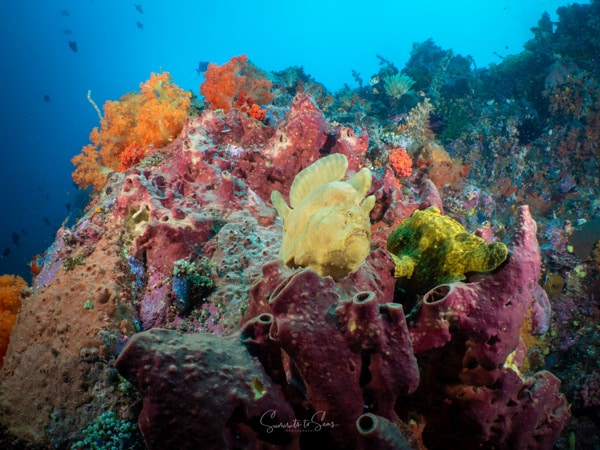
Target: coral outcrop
x: 267, y: 355
x: 180, y: 376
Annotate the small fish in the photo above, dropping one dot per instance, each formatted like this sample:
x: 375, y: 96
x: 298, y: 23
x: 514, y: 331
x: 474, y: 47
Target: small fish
x: 73, y: 46
x: 202, y: 66
x: 67, y: 31
x: 47, y: 221
x: 15, y: 238
x: 47, y: 98
x: 65, y: 12
x: 140, y: 25
x: 68, y: 206
x: 23, y: 231
x: 6, y: 252
x: 139, y: 9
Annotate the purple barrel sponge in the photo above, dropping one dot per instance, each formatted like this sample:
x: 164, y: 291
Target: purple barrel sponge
x: 467, y: 338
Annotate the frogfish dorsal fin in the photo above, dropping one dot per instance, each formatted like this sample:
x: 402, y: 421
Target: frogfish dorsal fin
x: 325, y: 170
x: 361, y: 181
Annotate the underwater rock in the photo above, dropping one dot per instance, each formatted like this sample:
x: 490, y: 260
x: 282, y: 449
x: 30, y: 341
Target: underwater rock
x: 585, y: 237
x: 65, y: 334
x: 299, y: 140
x: 237, y: 253
x: 295, y: 144
x: 203, y: 391
x: 327, y: 227
x: 171, y: 210
x: 299, y: 137
x: 353, y: 146
x: 306, y: 345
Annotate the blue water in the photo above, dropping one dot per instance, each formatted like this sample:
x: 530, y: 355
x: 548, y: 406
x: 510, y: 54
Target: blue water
x: 45, y: 117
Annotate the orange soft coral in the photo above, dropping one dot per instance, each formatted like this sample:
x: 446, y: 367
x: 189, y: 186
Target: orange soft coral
x: 401, y: 162
x: 163, y: 111
x: 89, y: 172
x: 223, y: 82
x: 132, y: 155
x: 10, y: 302
x: 150, y: 118
x: 247, y: 105
x: 256, y: 112
x: 230, y: 84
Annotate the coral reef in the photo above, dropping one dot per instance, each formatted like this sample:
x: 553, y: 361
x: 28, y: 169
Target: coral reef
x: 179, y: 249
x: 193, y: 200
x: 184, y: 246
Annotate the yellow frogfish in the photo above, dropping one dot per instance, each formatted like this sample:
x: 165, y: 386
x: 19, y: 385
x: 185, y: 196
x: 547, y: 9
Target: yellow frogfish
x: 326, y: 227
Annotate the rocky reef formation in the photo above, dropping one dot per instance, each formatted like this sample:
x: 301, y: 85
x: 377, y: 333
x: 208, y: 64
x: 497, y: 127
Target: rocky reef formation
x: 276, y: 357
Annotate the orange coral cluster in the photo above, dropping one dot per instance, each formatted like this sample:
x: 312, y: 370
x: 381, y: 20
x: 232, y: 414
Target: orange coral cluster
x: 236, y: 84
x: 132, y: 155
x: 130, y: 127
x: 10, y: 302
x: 247, y: 105
x: 401, y: 162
